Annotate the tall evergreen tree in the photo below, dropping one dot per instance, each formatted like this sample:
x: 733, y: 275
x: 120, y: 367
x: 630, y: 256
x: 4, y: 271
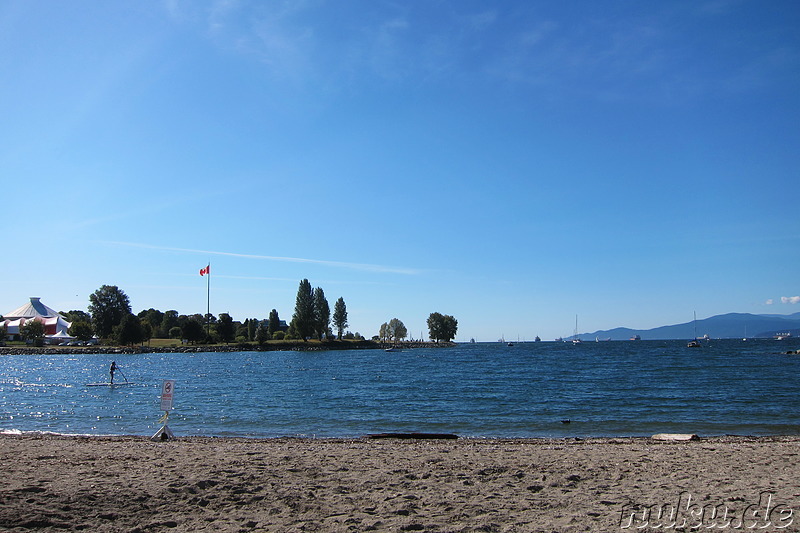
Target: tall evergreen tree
x: 303, y: 318
x: 340, y: 317
x: 274, y: 322
x: 322, y: 313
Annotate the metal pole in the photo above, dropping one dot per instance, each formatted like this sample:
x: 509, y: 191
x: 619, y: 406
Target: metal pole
x: 208, y: 302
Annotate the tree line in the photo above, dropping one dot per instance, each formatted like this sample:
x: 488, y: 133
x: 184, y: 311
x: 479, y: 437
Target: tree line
x: 110, y: 317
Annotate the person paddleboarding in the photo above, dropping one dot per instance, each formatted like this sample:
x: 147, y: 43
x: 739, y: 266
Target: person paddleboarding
x: 111, y: 370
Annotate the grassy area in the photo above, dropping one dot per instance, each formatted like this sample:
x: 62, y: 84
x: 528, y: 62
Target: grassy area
x: 164, y: 343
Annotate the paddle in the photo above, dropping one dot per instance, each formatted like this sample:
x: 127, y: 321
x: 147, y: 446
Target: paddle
x: 123, y: 375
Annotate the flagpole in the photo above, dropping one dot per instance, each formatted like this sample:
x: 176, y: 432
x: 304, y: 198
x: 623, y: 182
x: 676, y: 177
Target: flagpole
x: 208, y: 302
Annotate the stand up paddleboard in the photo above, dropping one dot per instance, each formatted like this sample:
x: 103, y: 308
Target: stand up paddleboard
x: 125, y: 384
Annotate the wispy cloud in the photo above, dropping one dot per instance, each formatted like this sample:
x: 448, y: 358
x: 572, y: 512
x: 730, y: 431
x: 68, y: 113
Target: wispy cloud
x: 338, y: 264
x: 790, y: 299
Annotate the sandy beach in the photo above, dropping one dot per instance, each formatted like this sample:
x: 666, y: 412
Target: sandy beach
x: 215, y: 484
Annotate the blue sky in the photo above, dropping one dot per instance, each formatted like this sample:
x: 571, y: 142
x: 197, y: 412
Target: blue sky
x: 513, y: 164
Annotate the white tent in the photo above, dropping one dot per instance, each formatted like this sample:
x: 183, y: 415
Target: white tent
x: 35, y: 310
x: 61, y: 336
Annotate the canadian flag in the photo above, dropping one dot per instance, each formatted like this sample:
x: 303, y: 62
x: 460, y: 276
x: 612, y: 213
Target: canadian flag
x: 206, y: 270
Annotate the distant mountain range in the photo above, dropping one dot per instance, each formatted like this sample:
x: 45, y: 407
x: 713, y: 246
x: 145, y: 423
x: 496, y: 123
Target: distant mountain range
x: 729, y: 326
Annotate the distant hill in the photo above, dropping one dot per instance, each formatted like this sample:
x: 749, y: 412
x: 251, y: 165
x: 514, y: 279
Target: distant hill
x: 729, y: 326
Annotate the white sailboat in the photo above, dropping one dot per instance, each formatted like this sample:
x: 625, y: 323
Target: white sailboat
x: 575, y: 339
x: 694, y: 343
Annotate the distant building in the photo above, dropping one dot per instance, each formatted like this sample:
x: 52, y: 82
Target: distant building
x: 55, y: 325
x: 282, y: 325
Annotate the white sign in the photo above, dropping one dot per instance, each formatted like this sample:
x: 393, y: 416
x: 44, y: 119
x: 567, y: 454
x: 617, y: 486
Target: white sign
x: 167, y: 389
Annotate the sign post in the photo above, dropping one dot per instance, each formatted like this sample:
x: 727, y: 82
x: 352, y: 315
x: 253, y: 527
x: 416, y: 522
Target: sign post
x: 167, y: 393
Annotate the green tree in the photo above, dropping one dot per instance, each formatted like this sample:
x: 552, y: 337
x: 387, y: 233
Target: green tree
x: 340, y: 317
x: 169, y: 321
x: 32, y: 331
x: 3, y: 331
x: 192, y: 330
x: 442, y: 327
x: 225, y: 328
x: 209, y: 320
x: 302, y: 325
x: 81, y: 329
x: 175, y: 332
x: 322, y: 313
x: 262, y: 334
x: 108, y: 305
x: 77, y: 316
x: 154, y: 318
x: 383, y: 333
x: 397, y: 330
x: 147, y: 332
x: 274, y: 322
x: 129, y: 331
x: 252, y: 328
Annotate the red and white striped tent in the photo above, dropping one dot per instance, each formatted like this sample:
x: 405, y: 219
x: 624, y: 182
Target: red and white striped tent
x: 35, y: 310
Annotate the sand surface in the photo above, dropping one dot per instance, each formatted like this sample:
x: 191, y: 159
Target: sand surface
x: 209, y: 484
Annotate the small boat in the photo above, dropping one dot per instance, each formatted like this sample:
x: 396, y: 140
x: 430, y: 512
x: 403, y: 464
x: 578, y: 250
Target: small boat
x: 537, y: 339
x: 636, y: 338
x: 392, y: 349
x: 575, y: 338
x: 694, y: 343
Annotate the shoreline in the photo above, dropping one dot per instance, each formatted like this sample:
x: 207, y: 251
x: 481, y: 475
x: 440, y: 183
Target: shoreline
x: 406, y: 438
x: 298, y: 346
x: 298, y: 484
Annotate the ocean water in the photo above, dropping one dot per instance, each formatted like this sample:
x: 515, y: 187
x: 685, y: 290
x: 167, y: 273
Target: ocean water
x: 473, y: 390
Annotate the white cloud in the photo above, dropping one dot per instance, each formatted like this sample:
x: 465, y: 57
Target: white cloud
x: 790, y: 299
x: 340, y: 264
x: 770, y: 301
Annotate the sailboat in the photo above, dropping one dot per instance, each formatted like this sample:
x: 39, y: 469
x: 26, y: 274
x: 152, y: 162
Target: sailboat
x: 575, y: 338
x: 694, y: 343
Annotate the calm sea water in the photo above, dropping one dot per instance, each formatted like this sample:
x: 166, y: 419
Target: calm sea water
x: 478, y: 390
